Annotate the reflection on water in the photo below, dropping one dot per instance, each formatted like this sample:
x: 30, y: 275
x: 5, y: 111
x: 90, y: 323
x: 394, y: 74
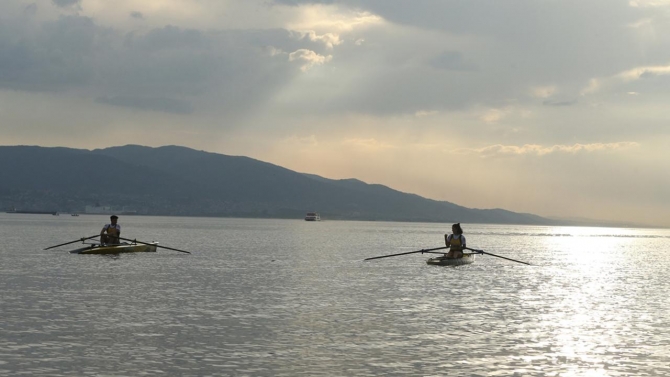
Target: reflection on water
x: 287, y: 298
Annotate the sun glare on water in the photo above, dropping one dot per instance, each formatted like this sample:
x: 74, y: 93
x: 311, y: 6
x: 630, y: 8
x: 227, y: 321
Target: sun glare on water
x: 589, y: 317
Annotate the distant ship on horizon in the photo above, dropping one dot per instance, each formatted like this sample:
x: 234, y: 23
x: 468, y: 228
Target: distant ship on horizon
x: 312, y: 216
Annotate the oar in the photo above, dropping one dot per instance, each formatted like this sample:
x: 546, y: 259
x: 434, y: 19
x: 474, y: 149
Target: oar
x: 153, y: 244
x: 409, y: 252
x: 67, y: 243
x: 493, y: 255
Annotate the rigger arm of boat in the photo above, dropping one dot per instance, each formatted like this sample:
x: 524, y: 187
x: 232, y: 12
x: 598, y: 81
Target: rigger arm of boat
x: 493, y: 255
x: 71, y: 242
x: 409, y: 252
x: 116, y: 248
x: 164, y: 247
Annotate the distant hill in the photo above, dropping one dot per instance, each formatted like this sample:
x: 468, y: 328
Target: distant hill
x: 175, y: 180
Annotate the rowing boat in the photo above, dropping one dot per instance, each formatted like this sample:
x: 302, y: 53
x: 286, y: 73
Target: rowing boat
x: 444, y: 261
x: 116, y: 249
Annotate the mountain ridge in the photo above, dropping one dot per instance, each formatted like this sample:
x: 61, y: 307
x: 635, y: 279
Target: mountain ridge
x: 175, y: 180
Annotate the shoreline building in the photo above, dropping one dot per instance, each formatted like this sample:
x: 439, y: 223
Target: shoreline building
x: 108, y: 210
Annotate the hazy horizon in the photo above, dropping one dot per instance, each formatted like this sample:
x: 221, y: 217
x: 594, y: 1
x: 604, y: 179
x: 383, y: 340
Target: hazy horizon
x: 558, y: 109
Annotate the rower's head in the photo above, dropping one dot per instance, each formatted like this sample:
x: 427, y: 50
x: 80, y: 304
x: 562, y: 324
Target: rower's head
x: 456, y: 229
x: 114, y: 218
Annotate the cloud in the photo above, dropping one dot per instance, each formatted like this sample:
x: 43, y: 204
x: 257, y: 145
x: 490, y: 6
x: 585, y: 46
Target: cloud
x: 640, y: 23
x: 228, y: 71
x: 60, y: 55
x: 30, y: 9
x: 328, y: 39
x: 543, y: 91
x: 471, y: 58
x: 452, y: 61
x: 164, y: 104
x: 559, y: 103
x: 333, y: 19
x: 634, y: 74
x: 171, y: 38
x: 301, y: 141
x: 643, y: 72
x: 302, y: 2
x: 309, y: 58
x: 369, y: 145
x: 593, y: 86
x: 137, y: 15
x: 649, y: 3
x: 67, y: 3
x: 539, y: 150
x: 425, y: 113
x: 495, y: 115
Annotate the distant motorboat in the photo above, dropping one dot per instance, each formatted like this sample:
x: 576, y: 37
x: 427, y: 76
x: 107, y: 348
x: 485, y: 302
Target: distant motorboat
x: 312, y: 216
x: 74, y: 214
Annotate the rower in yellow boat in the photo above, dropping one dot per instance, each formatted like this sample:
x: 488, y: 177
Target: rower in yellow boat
x: 455, y: 241
x: 111, y: 232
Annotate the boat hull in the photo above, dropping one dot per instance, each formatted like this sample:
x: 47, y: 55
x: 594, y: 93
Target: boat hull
x: 468, y: 258
x: 116, y: 249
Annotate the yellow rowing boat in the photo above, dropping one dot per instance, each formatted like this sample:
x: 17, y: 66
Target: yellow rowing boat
x: 116, y: 249
x: 444, y: 261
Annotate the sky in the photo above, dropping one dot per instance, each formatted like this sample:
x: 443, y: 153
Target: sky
x: 557, y: 108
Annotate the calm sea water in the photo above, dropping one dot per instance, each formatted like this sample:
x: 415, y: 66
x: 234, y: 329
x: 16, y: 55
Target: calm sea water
x: 289, y: 298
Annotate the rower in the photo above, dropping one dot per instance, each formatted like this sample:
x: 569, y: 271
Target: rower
x: 455, y: 242
x: 110, y: 232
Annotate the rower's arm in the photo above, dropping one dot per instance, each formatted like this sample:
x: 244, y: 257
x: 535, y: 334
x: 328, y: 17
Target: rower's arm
x: 446, y: 240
